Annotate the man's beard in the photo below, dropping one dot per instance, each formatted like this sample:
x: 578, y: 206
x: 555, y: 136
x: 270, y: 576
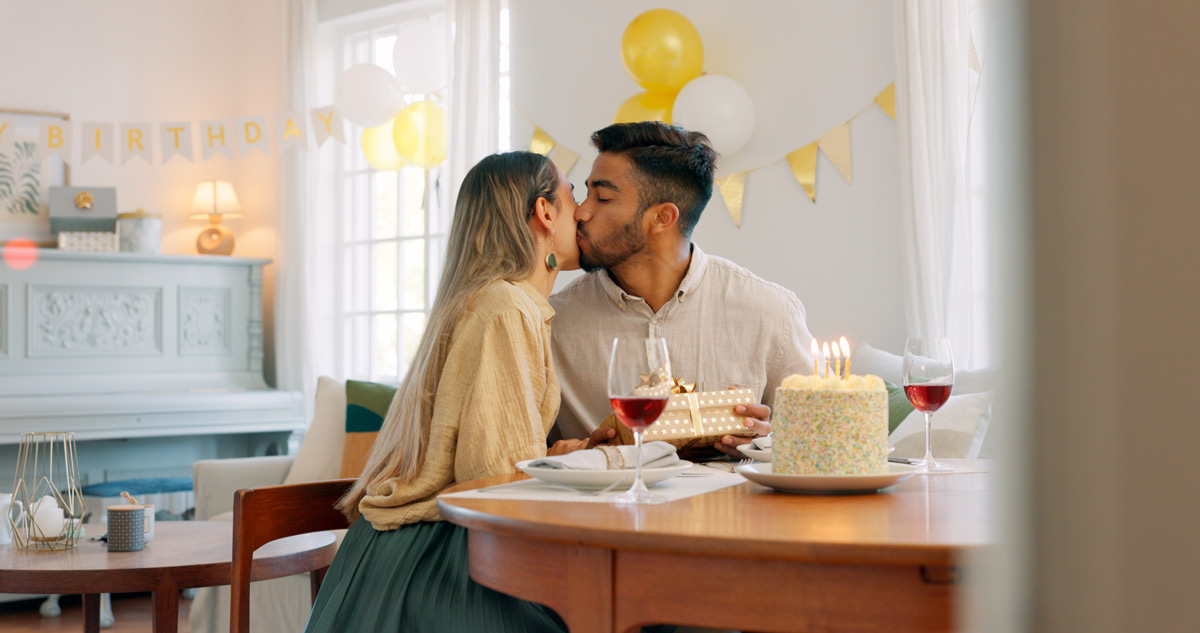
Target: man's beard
x: 615, y: 249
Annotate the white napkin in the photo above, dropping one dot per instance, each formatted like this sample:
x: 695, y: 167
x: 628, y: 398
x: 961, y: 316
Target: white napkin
x: 761, y: 443
x: 654, y: 455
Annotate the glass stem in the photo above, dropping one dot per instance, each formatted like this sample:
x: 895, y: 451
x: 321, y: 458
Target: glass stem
x: 637, y: 477
x: 928, y: 448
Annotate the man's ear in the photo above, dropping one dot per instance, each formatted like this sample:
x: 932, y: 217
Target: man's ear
x: 544, y: 213
x: 663, y: 217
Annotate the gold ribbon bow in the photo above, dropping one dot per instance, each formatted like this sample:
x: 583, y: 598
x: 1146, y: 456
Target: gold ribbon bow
x: 678, y: 386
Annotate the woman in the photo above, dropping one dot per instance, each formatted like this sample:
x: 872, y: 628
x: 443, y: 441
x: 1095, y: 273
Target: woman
x: 480, y: 396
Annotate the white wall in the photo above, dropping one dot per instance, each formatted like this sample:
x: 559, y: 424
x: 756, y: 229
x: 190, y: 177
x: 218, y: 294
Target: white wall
x: 138, y: 60
x: 809, y: 65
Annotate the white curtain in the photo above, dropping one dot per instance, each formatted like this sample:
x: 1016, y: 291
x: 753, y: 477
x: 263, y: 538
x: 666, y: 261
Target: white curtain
x: 474, y: 95
x: 296, y: 301
x: 932, y: 111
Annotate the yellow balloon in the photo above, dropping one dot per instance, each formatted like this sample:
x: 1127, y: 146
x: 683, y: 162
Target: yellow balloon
x: 662, y: 50
x: 380, y: 148
x: 420, y: 133
x: 646, y: 106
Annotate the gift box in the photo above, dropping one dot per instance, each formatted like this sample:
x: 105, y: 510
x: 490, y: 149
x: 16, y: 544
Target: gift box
x: 83, y: 209
x: 87, y: 242
x: 693, y: 421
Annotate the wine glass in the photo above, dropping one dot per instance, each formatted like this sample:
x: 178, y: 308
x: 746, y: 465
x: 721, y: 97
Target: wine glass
x: 639, y: 383
x: 928, y: 378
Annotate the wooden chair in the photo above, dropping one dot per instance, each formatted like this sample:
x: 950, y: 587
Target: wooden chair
x: 262, y: 515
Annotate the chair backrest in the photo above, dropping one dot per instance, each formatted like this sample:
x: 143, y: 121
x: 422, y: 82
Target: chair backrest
x: 262, y: 515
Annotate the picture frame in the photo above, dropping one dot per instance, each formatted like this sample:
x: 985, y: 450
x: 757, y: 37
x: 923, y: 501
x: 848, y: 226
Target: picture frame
x: 25, y: 180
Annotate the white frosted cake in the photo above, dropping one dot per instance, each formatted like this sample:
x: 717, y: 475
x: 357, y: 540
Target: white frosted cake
x: 830, y: 426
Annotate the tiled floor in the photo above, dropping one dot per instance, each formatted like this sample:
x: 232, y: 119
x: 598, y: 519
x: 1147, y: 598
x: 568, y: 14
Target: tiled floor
x: 132, y: 612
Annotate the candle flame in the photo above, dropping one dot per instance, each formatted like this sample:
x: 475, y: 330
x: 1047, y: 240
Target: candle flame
x: 816, y: 352
x: 845, y: 347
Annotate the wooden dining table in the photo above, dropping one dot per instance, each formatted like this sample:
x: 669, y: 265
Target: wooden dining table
x: 744, y: 557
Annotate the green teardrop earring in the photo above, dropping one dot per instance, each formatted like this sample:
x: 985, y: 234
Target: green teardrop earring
x: 551, y: 261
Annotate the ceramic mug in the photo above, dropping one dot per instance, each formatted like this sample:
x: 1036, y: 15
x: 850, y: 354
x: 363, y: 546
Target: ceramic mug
x: 7, y: 522
x: 126, y: 528
x: 149, y: 509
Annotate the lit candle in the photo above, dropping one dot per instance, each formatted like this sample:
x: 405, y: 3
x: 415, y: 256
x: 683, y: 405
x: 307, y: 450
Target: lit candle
x: 816, y: 355
x: 846, y: 353
x: 837, y: 357
x: 825, y: 353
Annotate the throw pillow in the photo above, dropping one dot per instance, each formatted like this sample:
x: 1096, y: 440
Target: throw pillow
x: 898, y: 406
x: 366, y: 406
x: 317, y: 459
x: 958, y: 430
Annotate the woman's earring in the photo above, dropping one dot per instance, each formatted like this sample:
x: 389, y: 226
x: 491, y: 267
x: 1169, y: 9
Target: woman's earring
x: 551, y: 262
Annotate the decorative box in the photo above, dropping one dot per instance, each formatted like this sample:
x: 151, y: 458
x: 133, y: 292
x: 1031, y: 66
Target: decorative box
x: 693, y: 420
x: 87, y: 241
x: 140, y: 232
x: 90, y: 209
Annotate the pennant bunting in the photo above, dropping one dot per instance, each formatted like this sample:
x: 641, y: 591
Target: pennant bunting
x: 973, y: 56
x: 542, y: 143
x: 327, y: 124
x: 803, y: 163
x: 176, y: 138
x: 54, y: 139
x: 135, y: 141
x: 886, y: 100
x: 96, y: 139
x: 564, y: 157
x: 836, y: 145
x: 216, y: 137
x: 252, y: 133
x: 733, y: 187
x: 292, y: 130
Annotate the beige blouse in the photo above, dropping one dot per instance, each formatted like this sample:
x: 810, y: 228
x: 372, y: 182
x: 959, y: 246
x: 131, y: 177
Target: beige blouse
x: 497, y: 398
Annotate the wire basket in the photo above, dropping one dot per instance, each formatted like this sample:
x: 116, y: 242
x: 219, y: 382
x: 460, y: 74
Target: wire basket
x: 47, y: 474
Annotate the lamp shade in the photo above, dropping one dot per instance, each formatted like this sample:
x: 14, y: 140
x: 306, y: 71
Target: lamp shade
x: 215, y: 196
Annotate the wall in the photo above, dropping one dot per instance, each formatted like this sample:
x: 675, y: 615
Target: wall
x: 809, y: 66
x: 134, y: 60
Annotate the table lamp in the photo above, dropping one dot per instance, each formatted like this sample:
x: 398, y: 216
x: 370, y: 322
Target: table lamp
x: 215, y: 200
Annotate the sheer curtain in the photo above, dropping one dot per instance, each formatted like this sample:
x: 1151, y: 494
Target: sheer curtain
x: 932, y: 111
x: 296, y: 302
x: 474, y: 95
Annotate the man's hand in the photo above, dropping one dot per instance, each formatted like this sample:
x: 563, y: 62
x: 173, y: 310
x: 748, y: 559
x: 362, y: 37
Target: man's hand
x: 599, y: 436
x: 757, y: 416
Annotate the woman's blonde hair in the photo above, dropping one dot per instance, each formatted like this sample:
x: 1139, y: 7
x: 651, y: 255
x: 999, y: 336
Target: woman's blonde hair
x: 489, y: 241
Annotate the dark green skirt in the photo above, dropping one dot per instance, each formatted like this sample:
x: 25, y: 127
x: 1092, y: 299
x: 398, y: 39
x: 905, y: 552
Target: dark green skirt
x: 415, y: 578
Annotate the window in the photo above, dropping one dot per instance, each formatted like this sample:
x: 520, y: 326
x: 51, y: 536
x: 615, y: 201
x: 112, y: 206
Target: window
x: 391, y: 229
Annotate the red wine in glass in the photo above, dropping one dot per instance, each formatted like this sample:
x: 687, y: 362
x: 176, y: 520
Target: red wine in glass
x: 636, y: 412
x: 927, y: 398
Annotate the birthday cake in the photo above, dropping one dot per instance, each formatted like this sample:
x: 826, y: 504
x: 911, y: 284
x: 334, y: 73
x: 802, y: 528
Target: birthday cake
x: 830, y: 426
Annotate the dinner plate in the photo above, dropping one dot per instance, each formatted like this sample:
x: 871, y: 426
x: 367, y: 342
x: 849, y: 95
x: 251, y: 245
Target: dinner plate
x: 755, y: 453
x: 825, y: 484
x: 599, y: 479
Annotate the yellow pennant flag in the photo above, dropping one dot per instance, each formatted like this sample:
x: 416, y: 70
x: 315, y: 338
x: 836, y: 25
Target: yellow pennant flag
x: 887, y: 100
x: 973, y: 56
x: 836, y: 145
x: 733, y: 187
x: 804, y: 167
x: 542, y: 143
x: 564, y: 157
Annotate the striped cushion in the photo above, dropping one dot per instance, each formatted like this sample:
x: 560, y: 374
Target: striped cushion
x: 366, y: 406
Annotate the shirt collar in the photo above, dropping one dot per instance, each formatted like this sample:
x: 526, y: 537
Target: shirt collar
x: 689, y: 282
x: 542, y: 304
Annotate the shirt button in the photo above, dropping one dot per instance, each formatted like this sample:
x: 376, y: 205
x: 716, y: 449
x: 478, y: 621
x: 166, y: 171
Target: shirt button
x: 621, y: 305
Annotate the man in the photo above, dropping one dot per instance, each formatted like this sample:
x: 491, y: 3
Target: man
x: 725, y: 327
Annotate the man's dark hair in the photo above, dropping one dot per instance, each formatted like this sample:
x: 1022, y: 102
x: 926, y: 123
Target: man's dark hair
x: 670, y: 164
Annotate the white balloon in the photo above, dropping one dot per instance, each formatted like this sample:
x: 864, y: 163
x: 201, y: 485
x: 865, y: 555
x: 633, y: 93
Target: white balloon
x: 420, y: 56
x: 368, y: 95
x: 720, y: 108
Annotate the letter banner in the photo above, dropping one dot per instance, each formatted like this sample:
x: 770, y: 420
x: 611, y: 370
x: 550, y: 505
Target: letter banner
x: 327, y: 124
x: 135, y: 141
x: 54, y: 139
x: 886, y: 100
x: 804, y: 167
x: 836, y: 145
x: 292, y: 129
x: 733, y: 187
x: 541, y: 143
x: 253, y: 134
x: 216, y: 137
x: 96, y: 139
x: 176, y: 140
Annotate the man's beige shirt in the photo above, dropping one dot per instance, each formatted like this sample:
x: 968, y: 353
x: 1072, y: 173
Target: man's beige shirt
x: 496, y: 401
x: 724, y: 327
